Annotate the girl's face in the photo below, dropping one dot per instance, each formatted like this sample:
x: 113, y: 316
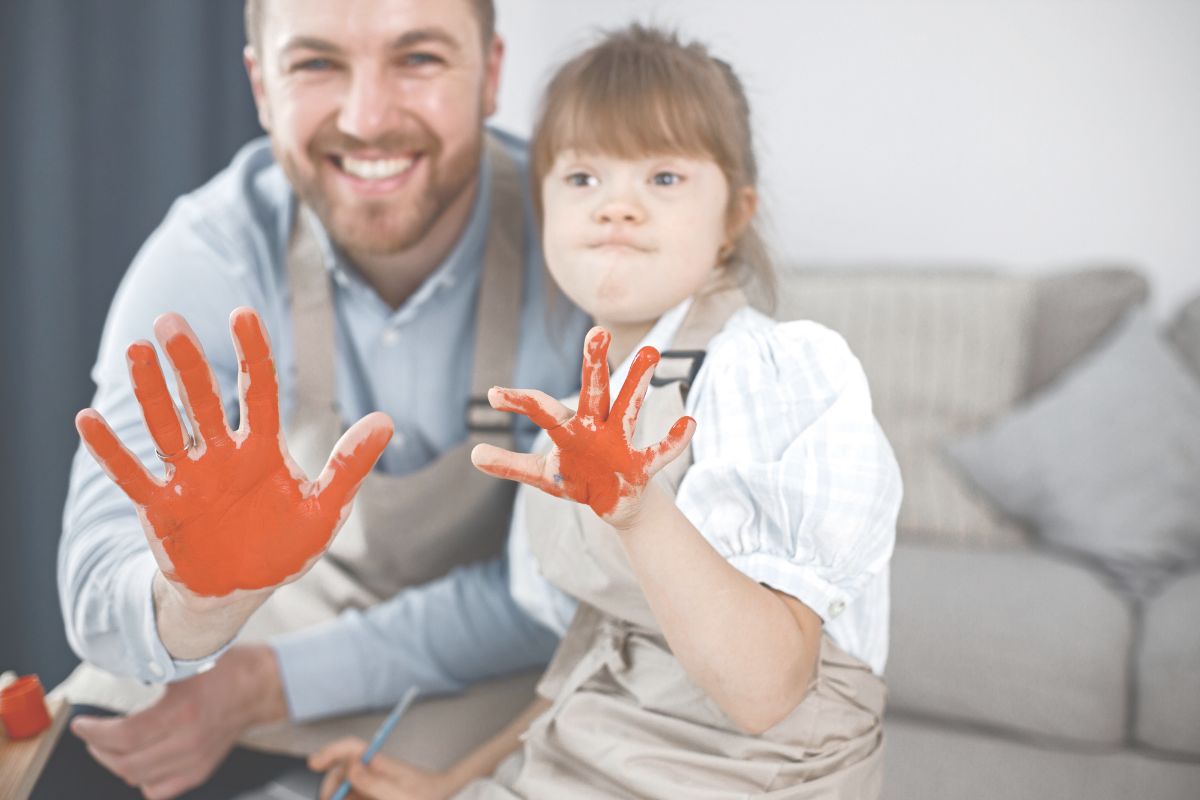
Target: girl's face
x: 628, y: 239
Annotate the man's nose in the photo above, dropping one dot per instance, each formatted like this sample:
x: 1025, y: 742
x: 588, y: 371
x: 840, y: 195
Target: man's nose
x: 368, y: 107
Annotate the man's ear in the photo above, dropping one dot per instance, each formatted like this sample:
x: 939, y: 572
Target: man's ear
x: 491, y: 87
x: 254, y: 73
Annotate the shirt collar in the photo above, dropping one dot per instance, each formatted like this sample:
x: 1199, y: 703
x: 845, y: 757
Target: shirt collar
x: 659, y: 337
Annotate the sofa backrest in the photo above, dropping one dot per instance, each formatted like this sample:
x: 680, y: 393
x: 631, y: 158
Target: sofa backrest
x: 946, y: 351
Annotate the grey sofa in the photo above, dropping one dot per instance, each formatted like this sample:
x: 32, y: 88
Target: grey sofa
x: 1016, y: 669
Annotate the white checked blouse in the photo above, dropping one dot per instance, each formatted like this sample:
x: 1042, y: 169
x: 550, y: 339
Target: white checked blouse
x: 793, y: 481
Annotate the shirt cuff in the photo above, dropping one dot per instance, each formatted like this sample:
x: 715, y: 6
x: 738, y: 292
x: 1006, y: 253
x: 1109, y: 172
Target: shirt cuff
x: 320, y: 670
x: 800, y: 581
x: 152, y: 661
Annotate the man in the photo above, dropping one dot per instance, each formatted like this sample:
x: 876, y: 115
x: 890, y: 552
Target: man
x: 389, y: 248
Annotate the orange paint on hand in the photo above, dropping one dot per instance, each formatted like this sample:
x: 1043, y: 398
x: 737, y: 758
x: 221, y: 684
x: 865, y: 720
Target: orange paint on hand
x: 593, y: 461
x: 234, y: 511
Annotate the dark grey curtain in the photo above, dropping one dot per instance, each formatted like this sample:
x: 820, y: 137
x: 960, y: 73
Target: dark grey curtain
x: 109, y: 110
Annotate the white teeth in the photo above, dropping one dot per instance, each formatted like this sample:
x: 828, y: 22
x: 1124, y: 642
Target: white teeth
x: 375, y: 170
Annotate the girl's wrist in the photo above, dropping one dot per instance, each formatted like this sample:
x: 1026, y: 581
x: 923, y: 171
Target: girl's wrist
x: 641, y: 512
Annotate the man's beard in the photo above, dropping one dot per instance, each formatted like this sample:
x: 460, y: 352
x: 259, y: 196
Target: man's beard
x: 387, y: 227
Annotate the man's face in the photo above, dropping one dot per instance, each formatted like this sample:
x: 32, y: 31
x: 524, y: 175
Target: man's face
x: 375, y: 110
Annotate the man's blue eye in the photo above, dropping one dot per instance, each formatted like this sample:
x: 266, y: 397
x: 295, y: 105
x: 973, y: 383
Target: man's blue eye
x: 581, y: 179
x: 667, y: 178
x: 421, y: 59
x: 314, y: 65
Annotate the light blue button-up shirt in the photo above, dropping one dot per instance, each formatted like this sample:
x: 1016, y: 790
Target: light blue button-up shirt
x: 225, y: 246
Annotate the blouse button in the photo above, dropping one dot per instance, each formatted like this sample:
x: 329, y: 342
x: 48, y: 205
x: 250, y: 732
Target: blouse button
x: 836, y: 607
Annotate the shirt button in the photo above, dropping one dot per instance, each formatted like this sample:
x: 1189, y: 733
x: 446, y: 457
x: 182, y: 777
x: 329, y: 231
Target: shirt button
x: 155, y: 669
x: 836, y: 607
x: 391, y: 337
x: 398, y: 440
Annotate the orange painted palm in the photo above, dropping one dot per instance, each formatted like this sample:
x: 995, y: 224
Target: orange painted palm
x: 234, y: 511
x: 593, y: 460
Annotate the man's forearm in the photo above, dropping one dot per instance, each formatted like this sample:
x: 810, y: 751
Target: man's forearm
x: 440, y: 637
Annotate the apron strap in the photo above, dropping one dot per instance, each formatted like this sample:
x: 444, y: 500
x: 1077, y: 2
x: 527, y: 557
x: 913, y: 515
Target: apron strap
x: 706, y: 317
x: 311, y: 302
x: 498, y: 314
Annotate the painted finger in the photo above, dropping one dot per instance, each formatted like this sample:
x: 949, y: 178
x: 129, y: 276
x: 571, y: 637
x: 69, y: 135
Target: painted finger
x: 114, y: 457
x: 633, y: 391
x: 668, y: 449
x: 352, y: 458
x: 197, y: 384
x: 258, y: 385
x: 526, y: 468
x: 593, y: 384
x: 150, y: 389
x: 542, y: 409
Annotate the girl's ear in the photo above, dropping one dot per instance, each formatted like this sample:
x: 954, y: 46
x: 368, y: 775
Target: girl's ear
x: 742, y: 206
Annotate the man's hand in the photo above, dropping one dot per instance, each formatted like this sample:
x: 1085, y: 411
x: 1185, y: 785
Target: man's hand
x: 382, y: 779
x: 593, y: 461
x: 175, y: 744
x: 235, y: 517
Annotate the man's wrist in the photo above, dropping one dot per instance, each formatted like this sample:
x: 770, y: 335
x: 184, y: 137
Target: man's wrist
x: 192, y: 628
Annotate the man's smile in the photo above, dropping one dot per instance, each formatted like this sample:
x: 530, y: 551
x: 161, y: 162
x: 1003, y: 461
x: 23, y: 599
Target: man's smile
x: 375, y: 174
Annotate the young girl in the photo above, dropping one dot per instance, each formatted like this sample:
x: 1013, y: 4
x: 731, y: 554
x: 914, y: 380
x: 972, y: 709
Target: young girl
x: 722, y: 582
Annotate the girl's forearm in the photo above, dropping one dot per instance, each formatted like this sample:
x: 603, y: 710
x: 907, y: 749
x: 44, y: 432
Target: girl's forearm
x: 751, y: 649
x: 483, y: 761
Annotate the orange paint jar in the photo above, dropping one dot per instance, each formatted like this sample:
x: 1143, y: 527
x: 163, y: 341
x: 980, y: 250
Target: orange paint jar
x: 23, y: 708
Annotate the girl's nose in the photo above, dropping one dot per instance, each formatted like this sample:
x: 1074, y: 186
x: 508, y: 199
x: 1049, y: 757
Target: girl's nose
x: 620, y: 210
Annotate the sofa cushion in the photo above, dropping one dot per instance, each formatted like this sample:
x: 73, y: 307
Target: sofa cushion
x: 1168, y: 669
x: 1074, y: 311
x: 1017, y: 639
x: 1185, y: 333
x: 1106, y: 461
x: 945, y: 352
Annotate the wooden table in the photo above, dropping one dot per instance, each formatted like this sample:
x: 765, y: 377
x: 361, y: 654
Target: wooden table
x: 21, y: 761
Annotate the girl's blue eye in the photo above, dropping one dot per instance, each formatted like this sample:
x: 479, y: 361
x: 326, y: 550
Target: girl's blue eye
x: 581, y: 179
x: 667, y: 179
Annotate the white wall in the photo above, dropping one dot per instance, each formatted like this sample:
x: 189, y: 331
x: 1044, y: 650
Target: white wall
x: 1022, y: 134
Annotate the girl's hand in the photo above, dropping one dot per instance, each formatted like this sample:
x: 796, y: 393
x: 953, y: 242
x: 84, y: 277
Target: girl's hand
x: 593, y: 461
x: 382, y: 779
x: 234, y: 512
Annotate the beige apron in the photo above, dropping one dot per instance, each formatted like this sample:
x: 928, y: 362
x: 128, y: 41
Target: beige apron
x: 404, y: 529
x: 626, y: 719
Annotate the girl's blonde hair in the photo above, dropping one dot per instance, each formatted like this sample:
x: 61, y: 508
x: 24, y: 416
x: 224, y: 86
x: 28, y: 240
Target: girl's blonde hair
x: 641, y: 91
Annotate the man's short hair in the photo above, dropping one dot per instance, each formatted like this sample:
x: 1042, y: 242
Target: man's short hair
x: 485, y: 12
